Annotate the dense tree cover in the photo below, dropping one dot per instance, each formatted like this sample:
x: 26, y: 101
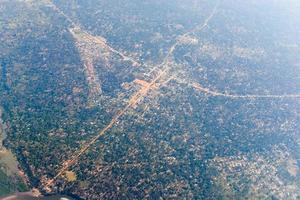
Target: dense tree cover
x: 178, y: 142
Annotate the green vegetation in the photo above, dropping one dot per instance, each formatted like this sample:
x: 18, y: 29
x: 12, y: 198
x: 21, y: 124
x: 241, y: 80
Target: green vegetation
x: 10, y: 184
x: 178, y: 141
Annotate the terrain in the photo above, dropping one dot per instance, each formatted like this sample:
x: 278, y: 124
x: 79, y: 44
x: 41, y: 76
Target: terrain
x: 11, y: 177
x: 153, y: 99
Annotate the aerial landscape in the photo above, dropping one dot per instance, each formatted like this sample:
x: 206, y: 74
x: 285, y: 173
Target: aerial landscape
x: 149, y: 99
